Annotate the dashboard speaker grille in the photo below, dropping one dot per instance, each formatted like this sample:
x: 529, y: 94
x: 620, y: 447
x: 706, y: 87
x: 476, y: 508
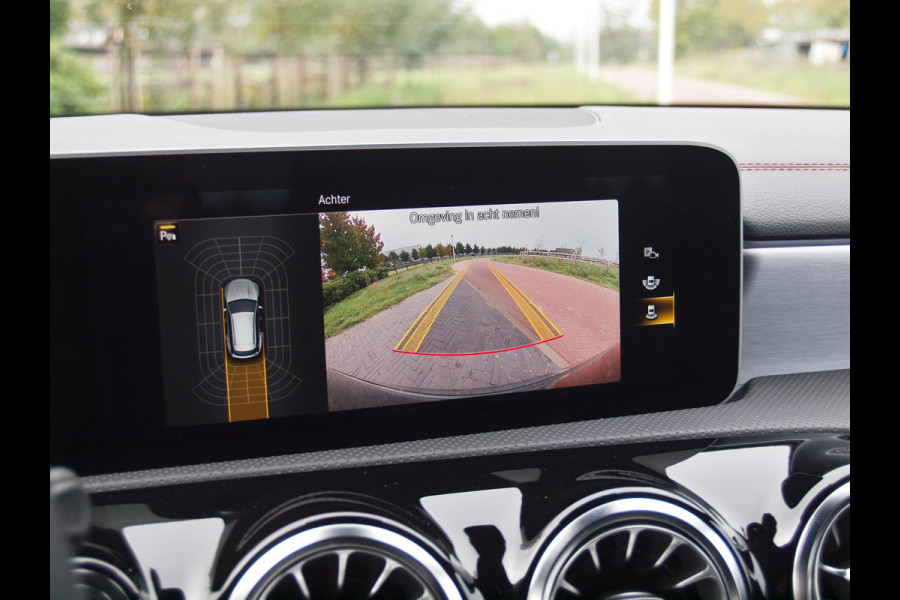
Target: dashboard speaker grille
x: 346, y: 561
x: 638, y: 549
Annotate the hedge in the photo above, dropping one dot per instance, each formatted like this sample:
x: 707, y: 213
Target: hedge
x: 336, y: 290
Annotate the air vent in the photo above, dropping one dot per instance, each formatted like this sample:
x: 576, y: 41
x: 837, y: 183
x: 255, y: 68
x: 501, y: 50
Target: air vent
x: 638, y: 549
x: 346, y: 561
x: 97, y: 579
x: 822, y: 564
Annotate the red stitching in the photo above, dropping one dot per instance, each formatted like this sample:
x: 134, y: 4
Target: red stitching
x: 794, y: 166
x: 814, y: 164
x: 795, y: 169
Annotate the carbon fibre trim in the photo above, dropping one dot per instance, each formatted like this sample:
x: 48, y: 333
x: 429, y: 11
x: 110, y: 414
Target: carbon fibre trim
x: 792, y: 403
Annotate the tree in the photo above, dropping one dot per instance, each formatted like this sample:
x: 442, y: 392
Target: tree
x: 74, y: 86
x: 59, y: 16
x: 806, y: 15
x: 348, y: 244
x: 712, y: 25
x: 393, y: 256
x: 404, y: 255
x: 415, y: 254
x: 523, y: 41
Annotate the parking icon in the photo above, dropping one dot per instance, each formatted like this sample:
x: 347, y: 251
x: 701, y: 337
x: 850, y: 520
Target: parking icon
x: 167, y: 233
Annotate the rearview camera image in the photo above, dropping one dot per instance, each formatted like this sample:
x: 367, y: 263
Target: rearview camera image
x: 437, y: 303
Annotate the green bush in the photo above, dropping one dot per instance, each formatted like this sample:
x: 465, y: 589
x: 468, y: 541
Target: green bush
x: 357, y: 279
x: 74, y: 86
x: 340, y: 288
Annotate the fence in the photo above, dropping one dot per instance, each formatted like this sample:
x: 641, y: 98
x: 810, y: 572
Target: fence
x: 214, y: 79
x: 573, y: 257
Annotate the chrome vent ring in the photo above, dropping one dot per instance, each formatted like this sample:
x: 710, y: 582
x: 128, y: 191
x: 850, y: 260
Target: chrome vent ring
x: 346, y: 561
x: 97, y: 579
x: 638, y: 548
x: 822, y: 563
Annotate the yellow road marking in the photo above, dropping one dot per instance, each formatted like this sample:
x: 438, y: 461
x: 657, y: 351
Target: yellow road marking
x: 542, y: 325
x: 419, y: 318
x: 416, y: 333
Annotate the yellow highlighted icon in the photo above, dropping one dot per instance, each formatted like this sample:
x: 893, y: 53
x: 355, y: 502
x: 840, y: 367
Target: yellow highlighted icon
x: 656, y: 311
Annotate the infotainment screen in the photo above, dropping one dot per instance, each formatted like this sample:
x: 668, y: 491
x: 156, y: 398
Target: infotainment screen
x: 292, y: 301
x: 489, y: 299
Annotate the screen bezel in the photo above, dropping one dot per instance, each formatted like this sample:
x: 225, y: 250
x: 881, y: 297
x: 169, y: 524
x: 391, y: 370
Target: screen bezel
x: 107, y: 408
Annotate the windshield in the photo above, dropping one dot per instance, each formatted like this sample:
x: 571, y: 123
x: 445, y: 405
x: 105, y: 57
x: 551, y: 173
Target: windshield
x: 242, y: 306
x: 183, y: 56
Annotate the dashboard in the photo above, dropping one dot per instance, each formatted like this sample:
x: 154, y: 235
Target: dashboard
x: 629, y: 453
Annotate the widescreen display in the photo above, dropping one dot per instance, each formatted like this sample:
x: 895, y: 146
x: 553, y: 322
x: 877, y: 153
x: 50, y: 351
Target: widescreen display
x: 418, y: 305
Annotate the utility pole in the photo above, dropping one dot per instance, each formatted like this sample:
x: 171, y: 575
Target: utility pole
x: 666, y: 52
x: 593, y: 43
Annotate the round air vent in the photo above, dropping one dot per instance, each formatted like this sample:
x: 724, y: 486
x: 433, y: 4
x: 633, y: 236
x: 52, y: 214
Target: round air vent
x: 822, y: 563
x: 346, y: 561
x: 97, y: 579
x: 638, y: 549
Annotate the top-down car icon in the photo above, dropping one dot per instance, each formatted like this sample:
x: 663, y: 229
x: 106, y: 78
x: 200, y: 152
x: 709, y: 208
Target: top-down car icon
x: 243, y: 318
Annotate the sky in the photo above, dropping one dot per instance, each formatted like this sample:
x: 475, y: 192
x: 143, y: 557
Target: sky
x: 558, y: 18
x: 586, y: 224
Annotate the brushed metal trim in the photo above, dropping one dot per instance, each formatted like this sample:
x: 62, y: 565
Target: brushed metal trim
x: 796, y: 313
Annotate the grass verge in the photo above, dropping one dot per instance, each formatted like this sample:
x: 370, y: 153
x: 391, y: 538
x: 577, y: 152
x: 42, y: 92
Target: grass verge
x: 507, y: 85
x: 384, y: 294
x: 825, y: 85
x: 608, y: 278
